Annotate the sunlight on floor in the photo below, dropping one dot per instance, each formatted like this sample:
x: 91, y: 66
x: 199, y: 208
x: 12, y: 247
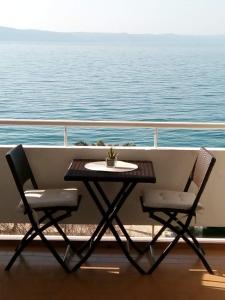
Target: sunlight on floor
x: 197, y: 270
x: 213, y: 281
x: 112, y: 270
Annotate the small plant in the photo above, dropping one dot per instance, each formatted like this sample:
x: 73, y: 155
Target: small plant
x: 111, y: 158
x: 112, y: 154
x: 81, y: 143
x: 99, y: 143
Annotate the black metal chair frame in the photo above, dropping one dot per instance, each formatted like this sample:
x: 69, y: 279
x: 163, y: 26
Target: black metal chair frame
x: 22, y: 173
x: 181, y: 229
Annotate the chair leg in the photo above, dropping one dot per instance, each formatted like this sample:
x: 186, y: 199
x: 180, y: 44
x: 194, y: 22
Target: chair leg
x: 28, y: 237
x: 195, y: 248
x: 163, y: 255
x: 67, y: 240
x: 61, y: 232
x: 192, y: 244
x: 54, y: 252
x: 153, y: 241
x: 29, y: 232
x: 25, y: 237
x: 195, y: 241
x: 199, y: 254
x: 159, y: 233
x: 20, y: 247
x: 180, y: 234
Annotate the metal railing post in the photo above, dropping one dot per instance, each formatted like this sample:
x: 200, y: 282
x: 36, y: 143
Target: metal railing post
x: 155, y: 137
x: 65, y: 136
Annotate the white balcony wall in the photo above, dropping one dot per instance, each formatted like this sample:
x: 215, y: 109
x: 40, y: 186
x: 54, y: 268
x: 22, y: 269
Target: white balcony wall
x: 172, y: 167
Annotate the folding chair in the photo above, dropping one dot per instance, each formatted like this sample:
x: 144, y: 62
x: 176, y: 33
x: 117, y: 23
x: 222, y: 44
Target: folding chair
x: 44, y: 208
x: 164, y: 206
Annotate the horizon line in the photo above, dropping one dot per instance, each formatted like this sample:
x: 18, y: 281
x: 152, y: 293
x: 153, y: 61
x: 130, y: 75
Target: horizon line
x: 119, y: 33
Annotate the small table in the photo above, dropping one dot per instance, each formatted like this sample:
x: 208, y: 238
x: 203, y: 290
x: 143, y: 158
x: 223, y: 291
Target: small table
x: 91, y: 179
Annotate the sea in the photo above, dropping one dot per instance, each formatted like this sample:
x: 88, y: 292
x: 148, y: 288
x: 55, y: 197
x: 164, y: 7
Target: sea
x: 134, y: 80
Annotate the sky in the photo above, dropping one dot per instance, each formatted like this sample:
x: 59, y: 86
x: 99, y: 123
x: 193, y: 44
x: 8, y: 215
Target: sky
x: 189, y: 17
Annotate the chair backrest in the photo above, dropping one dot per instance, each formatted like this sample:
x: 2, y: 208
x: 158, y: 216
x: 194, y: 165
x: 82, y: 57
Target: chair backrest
x: 20, y: 168
x: 201, y: 171
x: 203, y: 166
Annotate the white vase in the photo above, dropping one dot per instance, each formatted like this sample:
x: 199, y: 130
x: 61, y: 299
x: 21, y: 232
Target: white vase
x: 110, y: 162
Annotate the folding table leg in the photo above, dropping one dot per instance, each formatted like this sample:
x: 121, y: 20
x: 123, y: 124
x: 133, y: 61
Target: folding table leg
x: 120, y: 224
x: 106, y: 222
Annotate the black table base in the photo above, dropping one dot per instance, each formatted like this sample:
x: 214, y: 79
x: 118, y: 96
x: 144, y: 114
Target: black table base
x: 109, y: 208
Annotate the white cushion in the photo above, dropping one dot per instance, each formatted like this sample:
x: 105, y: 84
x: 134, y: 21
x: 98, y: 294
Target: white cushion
x: 51, y: 198
x: 168, y: 199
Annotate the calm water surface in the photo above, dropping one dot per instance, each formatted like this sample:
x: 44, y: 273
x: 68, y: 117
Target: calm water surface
x: 113, y: 81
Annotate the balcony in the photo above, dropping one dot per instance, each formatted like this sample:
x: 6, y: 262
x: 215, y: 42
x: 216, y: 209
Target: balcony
x: 172, y: 166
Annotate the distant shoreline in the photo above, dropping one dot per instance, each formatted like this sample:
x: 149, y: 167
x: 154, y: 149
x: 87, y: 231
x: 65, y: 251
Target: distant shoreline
x: 12, y: 34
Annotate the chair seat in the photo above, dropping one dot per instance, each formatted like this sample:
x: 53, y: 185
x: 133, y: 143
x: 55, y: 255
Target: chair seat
x: 54, y: 198
x: 166, y: 199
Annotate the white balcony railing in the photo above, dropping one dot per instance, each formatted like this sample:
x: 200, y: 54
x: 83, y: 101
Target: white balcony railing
x: 172, y: 166
x: 114, y: 124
